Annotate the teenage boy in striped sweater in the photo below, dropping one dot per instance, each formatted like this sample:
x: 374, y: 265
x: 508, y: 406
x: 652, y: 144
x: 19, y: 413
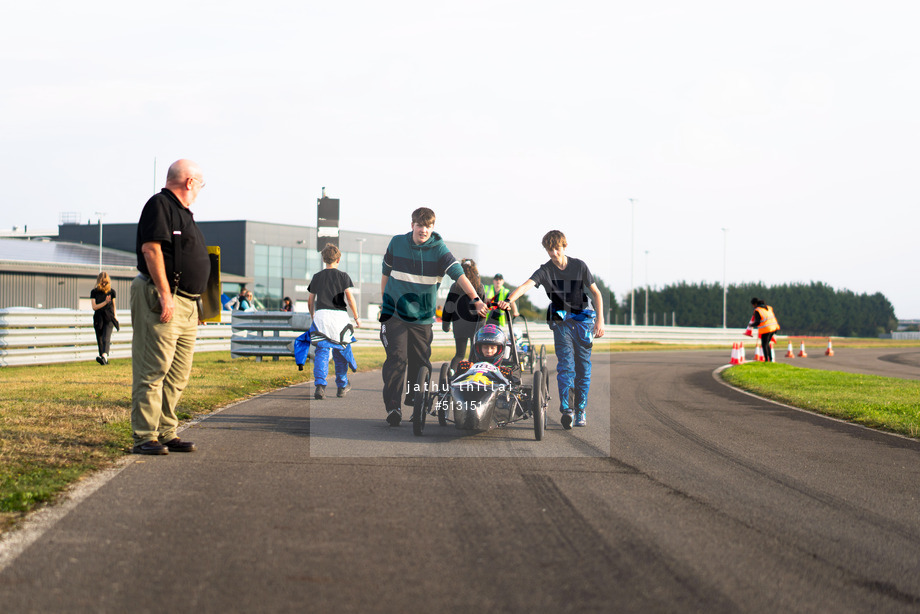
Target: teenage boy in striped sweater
x: 413, y: 267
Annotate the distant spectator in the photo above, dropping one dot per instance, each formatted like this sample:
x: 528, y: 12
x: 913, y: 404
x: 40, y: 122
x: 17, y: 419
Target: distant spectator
x: 234, y: 303
x: 287, y: 304
x: 103, y: 303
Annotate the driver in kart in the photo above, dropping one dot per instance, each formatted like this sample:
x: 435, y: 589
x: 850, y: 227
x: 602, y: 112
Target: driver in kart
x: 489, y: 344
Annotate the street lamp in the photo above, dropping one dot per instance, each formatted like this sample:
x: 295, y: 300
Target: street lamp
x: 632, y: 266
x: 100, y: 214
x: 360, y: 272
x: 724, y: 287
x: 646, y: 287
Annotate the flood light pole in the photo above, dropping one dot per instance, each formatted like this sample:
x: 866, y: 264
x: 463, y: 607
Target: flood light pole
x: 360, y: 272
x: 632, y: 265
x: 100, y: 214
x: 724, y: 287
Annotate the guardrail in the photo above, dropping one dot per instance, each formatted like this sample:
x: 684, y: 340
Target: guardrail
x: 44, y: 336
x: 249, y: 328
x: 41, y: 336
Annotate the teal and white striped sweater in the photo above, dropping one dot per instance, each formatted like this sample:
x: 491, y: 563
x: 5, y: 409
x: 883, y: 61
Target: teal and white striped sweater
x: 415, y: 272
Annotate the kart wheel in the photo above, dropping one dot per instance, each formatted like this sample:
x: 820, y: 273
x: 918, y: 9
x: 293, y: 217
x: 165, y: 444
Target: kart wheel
x: 443, y: 388
x: 531, y: 358
x: 421, y: 402
x: 539, y: 406
x: 542, y: 357
x: 545, y: 373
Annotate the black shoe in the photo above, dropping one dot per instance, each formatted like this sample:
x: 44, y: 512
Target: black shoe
x: 150, y: 447
x: 567, y: 419
x: 320, y: 393
x: 100, y: 360
x: 341, y: 392
x: 394, y: 417
x: 409, y: 401
x: 177, y: 445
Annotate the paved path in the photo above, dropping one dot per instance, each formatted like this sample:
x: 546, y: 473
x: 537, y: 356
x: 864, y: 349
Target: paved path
x: 698, y: 498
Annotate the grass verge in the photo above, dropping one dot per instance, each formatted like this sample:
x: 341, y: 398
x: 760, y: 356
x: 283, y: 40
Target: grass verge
x: 886, y: 403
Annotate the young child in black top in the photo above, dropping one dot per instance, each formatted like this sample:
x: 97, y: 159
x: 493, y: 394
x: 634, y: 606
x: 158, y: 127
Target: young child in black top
x: 330, y: 292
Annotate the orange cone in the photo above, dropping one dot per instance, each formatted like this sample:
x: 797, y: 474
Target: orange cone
x: 789, y: 352
x: 758, y: 353
x: 734, y: 360
x: 741, y: 356
x: 802, y: 352
x: 830, y: 349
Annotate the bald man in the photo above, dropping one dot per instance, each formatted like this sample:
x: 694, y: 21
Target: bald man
x: 174, y: 267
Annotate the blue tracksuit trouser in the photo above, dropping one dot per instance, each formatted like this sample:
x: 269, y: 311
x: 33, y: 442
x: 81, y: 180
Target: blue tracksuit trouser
x: 573, y: 364
x: 321, y: 366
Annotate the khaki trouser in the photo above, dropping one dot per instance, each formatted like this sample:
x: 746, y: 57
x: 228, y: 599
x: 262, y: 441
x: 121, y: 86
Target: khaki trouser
x: 161, y: 361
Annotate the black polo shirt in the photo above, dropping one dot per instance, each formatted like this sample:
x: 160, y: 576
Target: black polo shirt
x: 164, y: 219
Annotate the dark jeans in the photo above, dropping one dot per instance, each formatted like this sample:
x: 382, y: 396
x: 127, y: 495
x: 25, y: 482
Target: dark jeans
x: 104, y: 336
x: 765, y: 339
x: 408, y: 346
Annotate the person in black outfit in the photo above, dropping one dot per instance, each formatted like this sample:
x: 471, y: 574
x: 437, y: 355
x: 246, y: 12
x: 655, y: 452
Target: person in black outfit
x: 457, y: 310
x: 103, y: 303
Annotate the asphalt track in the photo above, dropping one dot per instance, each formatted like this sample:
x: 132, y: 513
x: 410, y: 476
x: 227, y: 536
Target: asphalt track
x: 681, y: 495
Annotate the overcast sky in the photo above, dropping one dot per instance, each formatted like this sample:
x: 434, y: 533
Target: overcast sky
x: 794, y: 125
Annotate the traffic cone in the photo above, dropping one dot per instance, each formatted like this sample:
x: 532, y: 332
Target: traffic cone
x: 741, y: 356
x: 830, y: 349
x: 758, y: 353
x: 789, y: 352
x: 802, y: 352
x: 734, y: 360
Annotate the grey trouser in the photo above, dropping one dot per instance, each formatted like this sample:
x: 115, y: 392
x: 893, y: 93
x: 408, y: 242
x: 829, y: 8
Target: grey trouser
x: 161, y: 360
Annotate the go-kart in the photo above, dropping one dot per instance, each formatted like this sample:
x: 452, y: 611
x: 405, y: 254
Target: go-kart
x: 531, y: 358
x: 483, y: 398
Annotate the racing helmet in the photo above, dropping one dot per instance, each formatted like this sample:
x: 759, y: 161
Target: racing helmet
x: 490, y: 334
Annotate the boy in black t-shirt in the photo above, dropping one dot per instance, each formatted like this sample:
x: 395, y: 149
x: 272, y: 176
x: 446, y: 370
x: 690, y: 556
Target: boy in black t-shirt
x: 574, y: 325
x: 330, y: 292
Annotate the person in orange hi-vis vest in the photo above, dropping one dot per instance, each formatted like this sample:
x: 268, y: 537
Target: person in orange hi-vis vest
x: 766, y: 324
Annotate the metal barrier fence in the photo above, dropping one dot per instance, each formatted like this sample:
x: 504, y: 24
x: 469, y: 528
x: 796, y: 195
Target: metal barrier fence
x: 250, y: 328
x: 39, y: 336
x: 44, y: 336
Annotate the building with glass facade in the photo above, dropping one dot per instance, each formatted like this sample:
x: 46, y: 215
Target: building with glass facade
x: 280, y: 259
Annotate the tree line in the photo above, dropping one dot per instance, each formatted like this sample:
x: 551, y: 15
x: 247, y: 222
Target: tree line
x: 814, y: 308
x: 802, y: 308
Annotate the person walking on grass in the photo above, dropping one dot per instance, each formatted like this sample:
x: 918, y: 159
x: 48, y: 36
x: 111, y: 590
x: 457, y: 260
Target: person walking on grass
x: 574, y: 325
x: 412, y: 269
x: 104, y: 320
